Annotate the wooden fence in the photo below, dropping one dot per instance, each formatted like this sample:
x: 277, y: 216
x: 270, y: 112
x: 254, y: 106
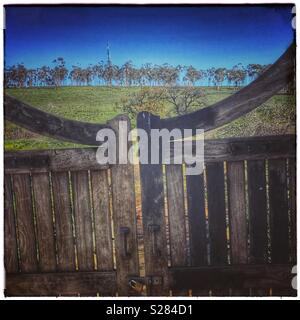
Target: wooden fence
x: 70, y: 224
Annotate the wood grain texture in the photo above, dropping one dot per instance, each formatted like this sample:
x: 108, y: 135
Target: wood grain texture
x: 237, y: 212
x: 124, y: 216
x: 51, y: 160
x: 83, y: 220
x: 44, y: 222
x: 61, y: 284
x: 217, y: 219
x: 216, y: 213
x: 175, y: 196
x: 152, y: 190
x: 237, y: 217
x: 10, y: 235
x: 279, y: 219
x: 63, y: 221
x: 256, y: 172
x: 102, y: 218
x: 47, y: 124
x: 248, y: 148
x: 197, y: 220
x: 257, y: 211
x: 233, y: 276
x: 26, y: 232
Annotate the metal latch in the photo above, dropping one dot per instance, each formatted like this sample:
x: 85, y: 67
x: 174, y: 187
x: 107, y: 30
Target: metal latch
x: 140, y: 284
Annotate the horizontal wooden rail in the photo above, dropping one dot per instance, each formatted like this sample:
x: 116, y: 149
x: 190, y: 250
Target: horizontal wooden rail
x: 278, y: 76
x: 52, y: 160
x: 232, y: 149
x: 233, y: 276
x: 49, y: 125
x: 54, y: 284
x: 248, y: 148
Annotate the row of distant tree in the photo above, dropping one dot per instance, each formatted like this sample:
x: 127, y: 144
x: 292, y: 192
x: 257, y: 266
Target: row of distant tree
x: 128, y: 75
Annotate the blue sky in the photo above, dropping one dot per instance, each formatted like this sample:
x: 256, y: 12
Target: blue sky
x: 198, y: 36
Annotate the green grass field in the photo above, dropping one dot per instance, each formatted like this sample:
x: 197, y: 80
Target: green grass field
x: 98, y: 104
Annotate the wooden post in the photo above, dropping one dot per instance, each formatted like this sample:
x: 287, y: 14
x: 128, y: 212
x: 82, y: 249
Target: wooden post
x: 155, y: 244
x: 124, y: 217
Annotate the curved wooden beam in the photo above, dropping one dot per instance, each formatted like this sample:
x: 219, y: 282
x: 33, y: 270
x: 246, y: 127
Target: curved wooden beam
x: 49, y: 125
x: 264, y: 87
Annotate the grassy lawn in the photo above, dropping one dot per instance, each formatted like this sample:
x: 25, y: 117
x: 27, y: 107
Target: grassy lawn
x: 98, y: 105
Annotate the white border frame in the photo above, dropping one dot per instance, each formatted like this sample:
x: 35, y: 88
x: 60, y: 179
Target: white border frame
x: 141, y: 2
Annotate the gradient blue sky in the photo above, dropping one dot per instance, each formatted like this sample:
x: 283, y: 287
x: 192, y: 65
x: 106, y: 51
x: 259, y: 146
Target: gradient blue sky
x: 201, y: 36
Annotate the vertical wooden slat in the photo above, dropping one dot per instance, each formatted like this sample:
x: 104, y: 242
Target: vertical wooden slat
x: 197, y: 220
x: 237, y: 212
x: 278, y: 211
x: 217, y: 218
x: 279, y: 220
x: 152, y: 190
x: 10, y: 236
x: 257, y: 215
x: 102, y: 219
x: 63, y: 221
x: 83, y: 220
x: 124, y: 216
x: 197, y: 224
x: 26, y: 232
x: 176, y: 215
x: 44, y: 221
x: 175, y: 197
x: 216, y: 213
x: 292, y: 184
x: 237, y: 216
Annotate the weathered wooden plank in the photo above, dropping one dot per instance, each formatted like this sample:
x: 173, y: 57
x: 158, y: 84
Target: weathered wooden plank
x: 245, y: 100
x: 63, y: 221
x: 216, y: 213
x: 247, y: 148
x: 176, y: 214
x: 61, y: 284
x: 244, y: 276
x: 237, y: 216
x: 197, y: 220
x: 83, y: 220
x: 102, y: 219
x: 152, y: 190
x: 44, y: 221
x: 197, y: 225
x: 217, y: 218
x: 50, y: 125
x: 293, y: 211
x: 26, y: 232
x: 52, y: 160
x: 175, y: 196
x: 237, y: 212
x: 257, y: 216
x: 124, y: 216
x: 279, y: 219
x: 231, y: 149
x: 257, y: 211
x: 10, y: 235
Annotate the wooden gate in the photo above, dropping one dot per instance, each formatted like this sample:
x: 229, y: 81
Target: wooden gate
x: 228, y: 231
x: 232, y: 229
x: 59, y: 239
